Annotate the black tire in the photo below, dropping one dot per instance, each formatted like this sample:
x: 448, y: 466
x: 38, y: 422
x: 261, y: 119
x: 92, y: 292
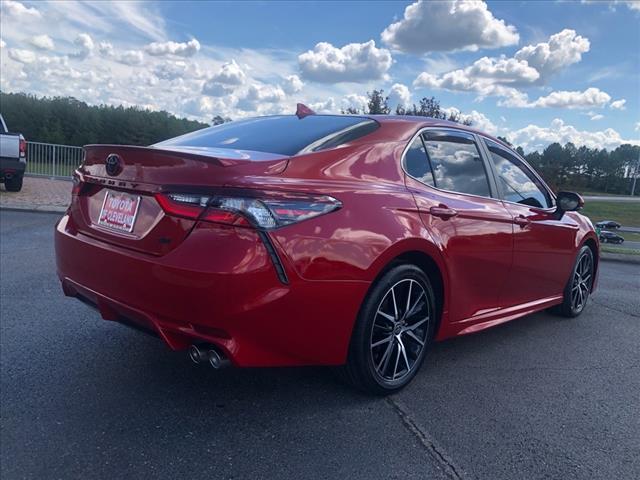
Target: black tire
x: 13, y: 184
x: 370, y: 353
x: 573, y: 303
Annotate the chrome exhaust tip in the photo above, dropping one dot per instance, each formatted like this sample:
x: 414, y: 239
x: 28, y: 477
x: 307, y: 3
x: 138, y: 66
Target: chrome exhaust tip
x: 217, y: 360
x: 197, y: 354
x: 208, y: 353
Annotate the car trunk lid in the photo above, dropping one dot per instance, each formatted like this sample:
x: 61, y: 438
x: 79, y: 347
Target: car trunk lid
x: 115, y: 197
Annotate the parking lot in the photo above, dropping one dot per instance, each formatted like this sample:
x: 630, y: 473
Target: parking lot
x: 540, y: 397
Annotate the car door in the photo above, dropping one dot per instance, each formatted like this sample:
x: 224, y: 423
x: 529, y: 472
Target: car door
x: 544, y: 245
x: 455, y: 196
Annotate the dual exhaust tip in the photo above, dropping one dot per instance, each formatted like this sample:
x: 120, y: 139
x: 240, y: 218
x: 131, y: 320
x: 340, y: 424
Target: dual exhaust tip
x: 208, y: 354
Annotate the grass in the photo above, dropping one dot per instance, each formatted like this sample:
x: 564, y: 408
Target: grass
x: 46, y: 169
x: 629, y: 236
x: 623, y: 250
x: 625, y: 213
x: 601, y: 194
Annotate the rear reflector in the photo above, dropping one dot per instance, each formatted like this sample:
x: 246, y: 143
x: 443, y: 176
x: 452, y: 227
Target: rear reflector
x: 263, y: 213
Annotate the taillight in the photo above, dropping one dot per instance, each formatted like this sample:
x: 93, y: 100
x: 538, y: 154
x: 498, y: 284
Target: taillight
x: 264, y: 213
x: 23, y: 147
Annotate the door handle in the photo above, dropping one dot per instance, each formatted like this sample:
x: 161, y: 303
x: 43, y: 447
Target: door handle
x: 522, y: 221
x: 442, y: 211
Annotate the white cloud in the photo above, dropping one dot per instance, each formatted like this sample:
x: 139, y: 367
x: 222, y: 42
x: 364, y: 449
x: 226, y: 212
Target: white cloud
x: 486, y: 76
x: 215, y: 89
x: 184, y: 49
x: 503, y: 76
x: 563, y: 49
x: 353, y: 100
x: 2, y: 43
x: 479, y: 121
x: 352, y: 63
x: 128, y: 57
x: 637, y: 127
x: 292, y: 84
x: 618, y: 104
x: 591, y: 97
x: 230, y: 74
x: 596, y: 117
x: 106, y: 49
x: 399, y: 95
x: 22, y: 56
x: 326, y: 106
x: 85, y: 43
x: 206, y: 106
x: 171, y: 70
x: 534, y: 137
x: 17, y: 9
x: 448, y: 25
x: 258, y: 95
x: 131, y: 57
x: 42, y: 42
x: 633, y: 5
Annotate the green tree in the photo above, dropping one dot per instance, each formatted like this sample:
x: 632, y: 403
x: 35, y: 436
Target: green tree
x: 378, y: 103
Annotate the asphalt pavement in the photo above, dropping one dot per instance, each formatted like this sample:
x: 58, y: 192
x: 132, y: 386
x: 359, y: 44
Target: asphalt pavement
x: 540, y: 397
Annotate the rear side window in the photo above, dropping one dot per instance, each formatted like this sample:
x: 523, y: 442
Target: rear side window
x: 456, y: 162
x: 416, y: 162
x: 515, y: 182
x: 283, y: 135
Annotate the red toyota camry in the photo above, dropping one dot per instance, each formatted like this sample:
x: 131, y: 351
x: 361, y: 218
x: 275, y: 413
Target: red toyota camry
x: 322, y: 240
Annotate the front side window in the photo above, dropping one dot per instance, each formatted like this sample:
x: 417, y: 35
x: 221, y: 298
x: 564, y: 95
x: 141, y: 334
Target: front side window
x: 515, y: 182
x: 416, y: 162
x: 456, y: 162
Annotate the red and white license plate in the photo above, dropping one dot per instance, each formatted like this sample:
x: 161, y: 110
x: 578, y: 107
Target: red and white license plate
x: 119, y: 211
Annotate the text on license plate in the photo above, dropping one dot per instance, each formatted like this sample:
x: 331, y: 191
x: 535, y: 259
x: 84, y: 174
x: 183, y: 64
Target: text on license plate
x: 119, y: 211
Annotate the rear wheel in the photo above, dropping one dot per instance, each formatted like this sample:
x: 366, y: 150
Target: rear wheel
x: 13, y: 184
x: 393, y: 331
x: 577, y: 291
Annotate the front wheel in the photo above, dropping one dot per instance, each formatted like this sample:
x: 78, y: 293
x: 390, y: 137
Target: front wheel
x: 393, y: 331
x: 578, y: 288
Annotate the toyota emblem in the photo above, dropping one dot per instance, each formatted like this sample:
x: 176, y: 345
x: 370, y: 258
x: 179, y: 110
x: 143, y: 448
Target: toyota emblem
x: 113, y: 164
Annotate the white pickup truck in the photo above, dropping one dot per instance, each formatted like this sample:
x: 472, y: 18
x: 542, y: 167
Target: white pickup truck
x: 13, y: 158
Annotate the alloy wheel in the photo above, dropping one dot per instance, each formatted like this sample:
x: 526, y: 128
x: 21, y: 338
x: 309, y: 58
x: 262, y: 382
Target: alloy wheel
x: 582, y: 280
x: 400, y: 330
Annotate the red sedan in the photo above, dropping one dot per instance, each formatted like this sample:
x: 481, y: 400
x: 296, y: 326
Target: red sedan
x: 322, y: 240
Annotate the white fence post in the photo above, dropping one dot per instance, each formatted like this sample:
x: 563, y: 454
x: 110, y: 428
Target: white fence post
x: 53, y: 173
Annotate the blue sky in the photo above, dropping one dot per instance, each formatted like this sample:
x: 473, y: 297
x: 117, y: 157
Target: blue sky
x: 535, y: 72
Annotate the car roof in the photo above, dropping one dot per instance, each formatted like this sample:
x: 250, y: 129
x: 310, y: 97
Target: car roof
x: 414, y: 122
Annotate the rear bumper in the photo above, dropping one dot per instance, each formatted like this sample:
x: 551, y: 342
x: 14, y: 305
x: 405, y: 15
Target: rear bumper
x: 218, y: 286
x: 11, y: 166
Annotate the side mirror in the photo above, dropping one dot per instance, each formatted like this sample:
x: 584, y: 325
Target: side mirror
x: 568, y: 202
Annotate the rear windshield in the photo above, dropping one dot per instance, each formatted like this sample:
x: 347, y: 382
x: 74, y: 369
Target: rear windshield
x: 283, y: 135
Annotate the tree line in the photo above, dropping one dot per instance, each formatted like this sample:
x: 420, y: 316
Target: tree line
x: 587, y: 169
x: 378, y: 104
x: 68, y: 121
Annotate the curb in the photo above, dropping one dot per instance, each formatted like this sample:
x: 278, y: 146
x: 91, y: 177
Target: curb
x: 34, y: 208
